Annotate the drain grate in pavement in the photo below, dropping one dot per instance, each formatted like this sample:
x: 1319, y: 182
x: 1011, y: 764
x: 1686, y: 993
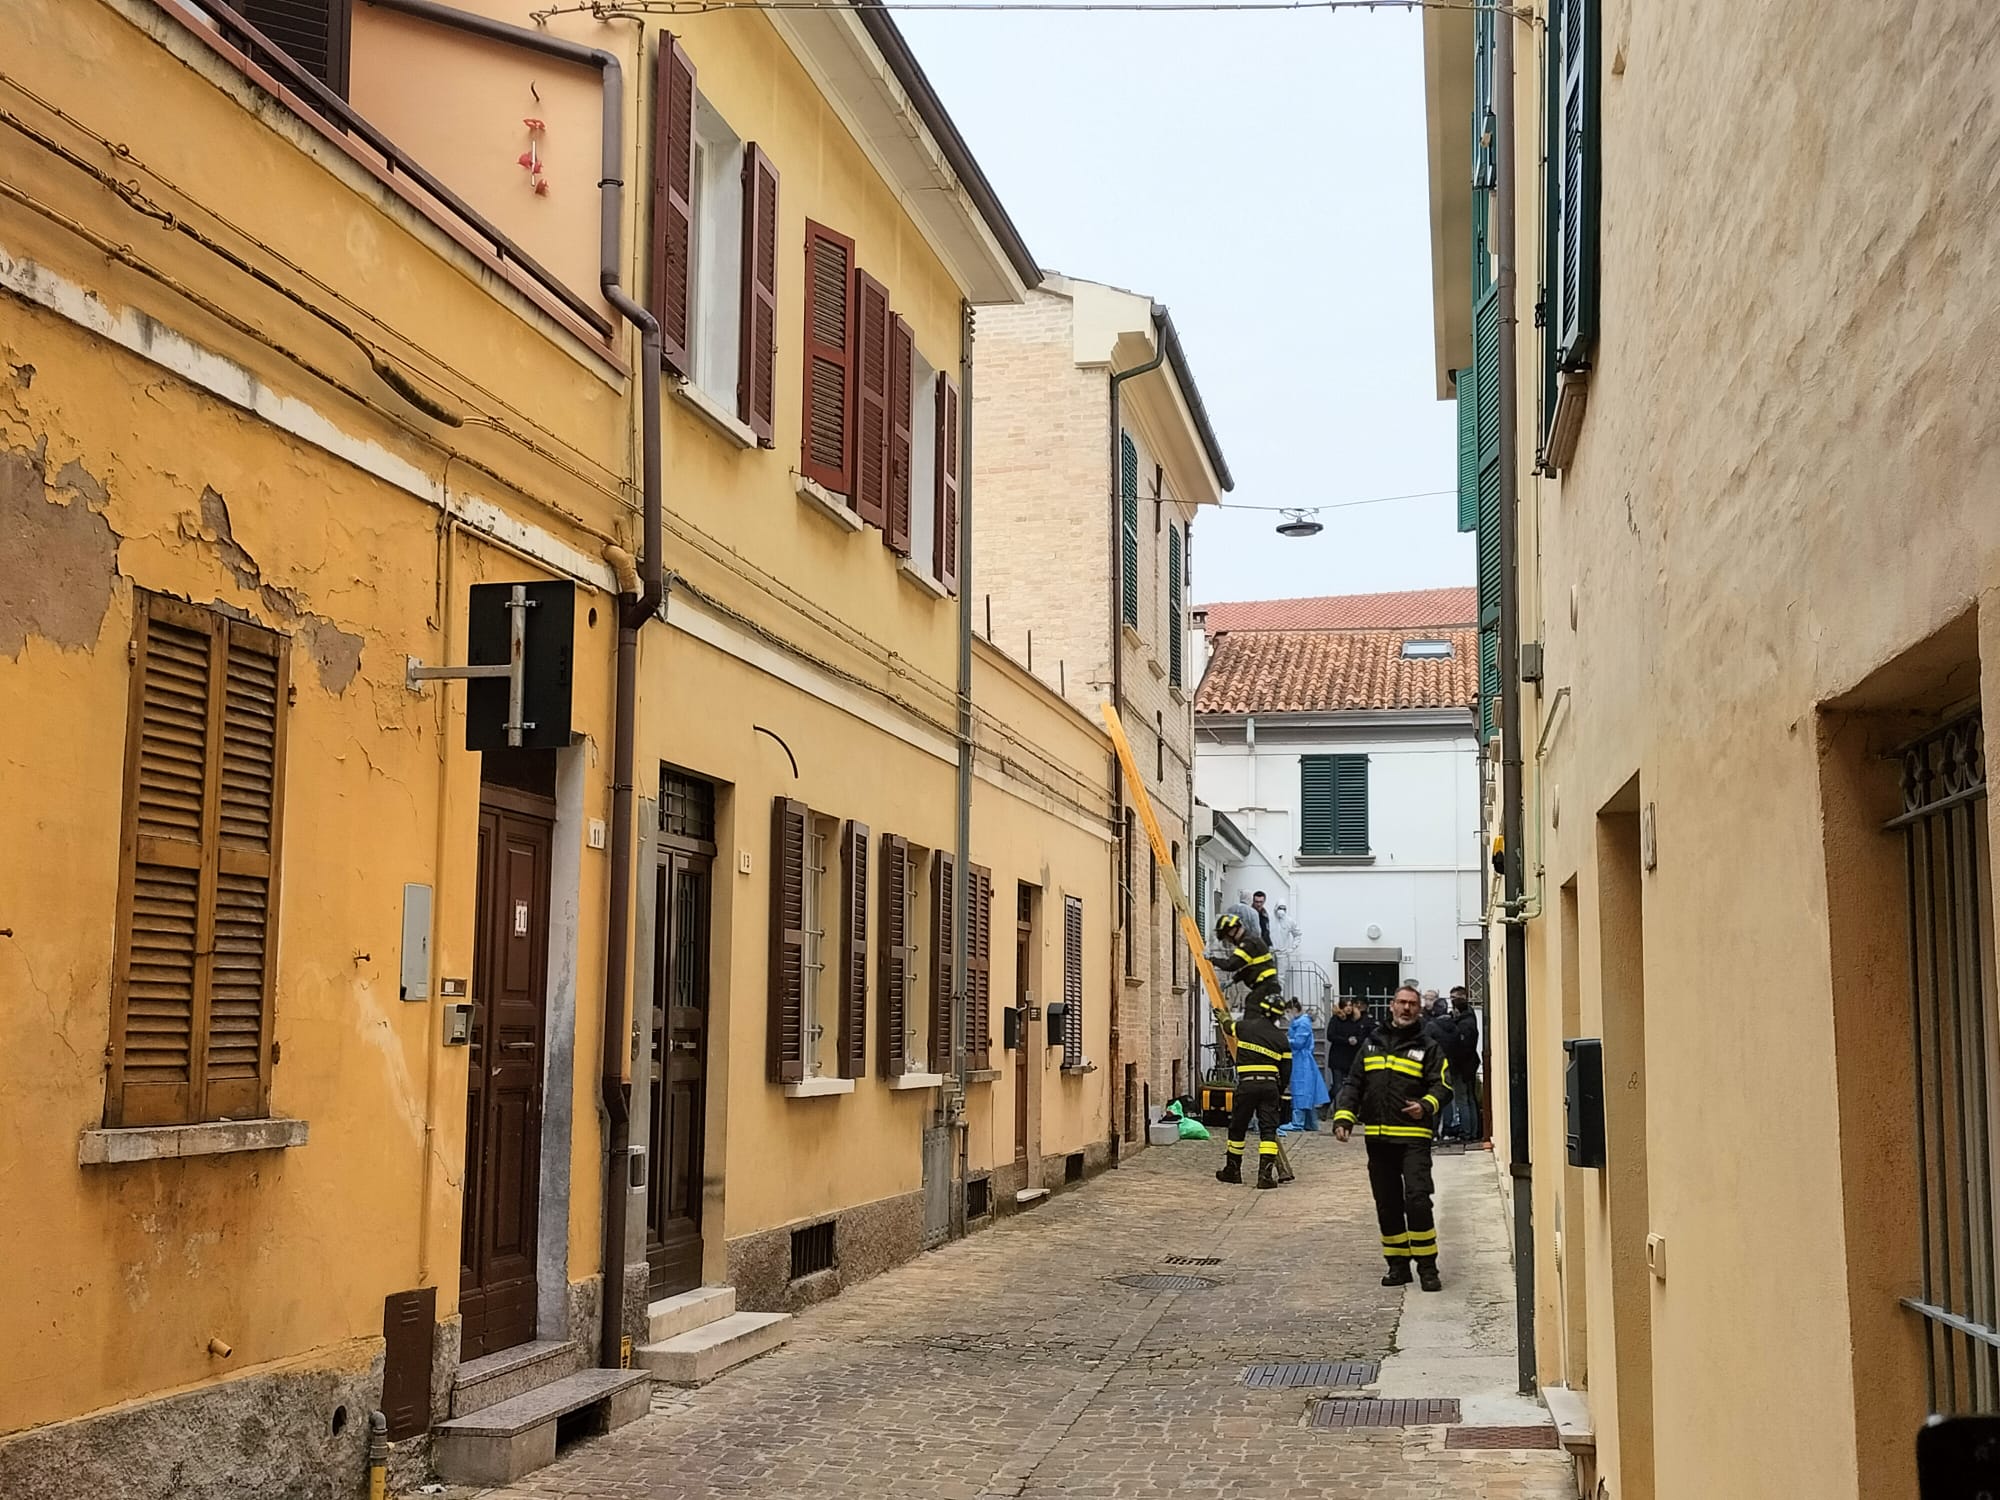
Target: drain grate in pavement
x: 1194, y: 1260
x: 1338, y: 1411
x: 1170, y: 1283
x: 1501, y: 1437
x: 1309, y: 1372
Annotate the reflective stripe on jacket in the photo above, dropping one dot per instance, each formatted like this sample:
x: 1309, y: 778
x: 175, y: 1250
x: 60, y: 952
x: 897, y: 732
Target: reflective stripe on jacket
x: 1261, y: 1048
x: 1395, y: 1066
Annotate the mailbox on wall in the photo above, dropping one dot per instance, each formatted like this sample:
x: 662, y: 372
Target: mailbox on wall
x: 1583, y: 1100
x: 1056, y: 1012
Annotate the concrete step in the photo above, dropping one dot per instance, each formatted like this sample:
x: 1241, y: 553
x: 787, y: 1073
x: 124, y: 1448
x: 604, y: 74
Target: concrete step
x: 494, y: 1378
x: 688, y: 1311
x: 699, y: 1355
x: 1029, y: 1197
x: 499, y: 1444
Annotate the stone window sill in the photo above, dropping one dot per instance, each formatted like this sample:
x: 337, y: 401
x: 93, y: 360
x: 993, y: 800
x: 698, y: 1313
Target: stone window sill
x: 1134, y: 981
x: 918, y: 578
x: 1180, y: 697
x: 983, y: 1075
x: 818, y: 1088
x: 1155, y: 668
x: 712, y: 411
x: 1132, y: 637
x: 1077, y: 1070
x: 110, y: 1148
x: 1331, y: 861
x: 828, y: 504
x: 918, y: 1081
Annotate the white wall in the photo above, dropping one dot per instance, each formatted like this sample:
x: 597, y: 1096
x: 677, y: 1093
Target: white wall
x: 1421, y: 886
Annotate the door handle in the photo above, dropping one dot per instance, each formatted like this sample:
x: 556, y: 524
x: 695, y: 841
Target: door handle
x: 517, y: 1046
x: 687, y: 1046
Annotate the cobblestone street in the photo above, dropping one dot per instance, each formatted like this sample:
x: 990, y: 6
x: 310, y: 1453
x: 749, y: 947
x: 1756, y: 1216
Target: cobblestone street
x: 1015, y: 1364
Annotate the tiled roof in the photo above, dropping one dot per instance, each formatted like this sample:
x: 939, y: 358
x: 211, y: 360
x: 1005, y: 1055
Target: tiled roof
x: 1349, y: 611
x: 1321, y: 670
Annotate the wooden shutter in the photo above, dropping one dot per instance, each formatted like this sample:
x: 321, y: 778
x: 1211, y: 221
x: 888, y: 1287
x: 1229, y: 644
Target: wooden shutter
x: 198, y: 899
x: 827, y: 458
x: 312, y: 33
x: 902, y: 358
x: 941, y: 915
x: 1128, y: 526
x: 1316, y: 823
x: 946, y: 530
x: 854, y: 950
x: 1072, y: 982
x: 871, y: 406
x: 979, y: 970
x: 895, y: 949
x: 1486, y: 399
x: 1576, y: 268
x: 673, y: 201
x: 1350, y: 804
x: 787, y: 1041
x: 1176, y: 627
x: 757, y: 357
x: 1465, y: 386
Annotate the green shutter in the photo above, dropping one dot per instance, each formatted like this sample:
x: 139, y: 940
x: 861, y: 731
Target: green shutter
x: 1128, y: 524
x: 1316, y: 822
x: 1483, y: 147
x: 1201, y: 896
x: 1468, y: 449
x: 1545, y: 318
x: 1576, y: 261
x: 1489, y: 680
x: 1174, y: 627
x: 1350, y: 804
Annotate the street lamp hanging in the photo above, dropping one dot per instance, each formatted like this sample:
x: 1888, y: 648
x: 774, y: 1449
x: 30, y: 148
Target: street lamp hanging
x: 1300, y: 523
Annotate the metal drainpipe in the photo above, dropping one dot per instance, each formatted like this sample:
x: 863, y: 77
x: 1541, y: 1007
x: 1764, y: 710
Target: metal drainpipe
x: 636, y: 610
x: 1520, y: 1165
x: 1120, y: 845
x: 960, y: 888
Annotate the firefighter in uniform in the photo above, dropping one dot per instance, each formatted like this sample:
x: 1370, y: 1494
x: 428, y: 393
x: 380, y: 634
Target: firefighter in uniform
x: 1263, y: 1055
x: 1398, y: 1085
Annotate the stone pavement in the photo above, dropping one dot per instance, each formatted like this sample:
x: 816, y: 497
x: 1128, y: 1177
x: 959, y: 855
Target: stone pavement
x: 1013, y: 1366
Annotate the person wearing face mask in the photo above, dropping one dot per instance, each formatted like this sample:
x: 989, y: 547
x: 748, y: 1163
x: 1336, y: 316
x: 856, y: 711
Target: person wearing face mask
x: 1395, y: 1091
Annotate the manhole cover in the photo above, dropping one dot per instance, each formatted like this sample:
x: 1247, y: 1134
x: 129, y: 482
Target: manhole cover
x: 1169, y: 1283
x: 1501, y: 1437
x: 1338, y: 1411
x: 1194, y: 1260
x: 1320, y: 1372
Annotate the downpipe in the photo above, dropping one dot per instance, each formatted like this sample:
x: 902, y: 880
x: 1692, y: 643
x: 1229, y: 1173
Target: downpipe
x: 641, y: 589
x: 960, y: 887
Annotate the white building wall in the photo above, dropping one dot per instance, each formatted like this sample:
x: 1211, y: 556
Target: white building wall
x: 1419, y: 890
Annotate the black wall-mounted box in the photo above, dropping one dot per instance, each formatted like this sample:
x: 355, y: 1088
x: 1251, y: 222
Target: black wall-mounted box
x: 1583, y: 1100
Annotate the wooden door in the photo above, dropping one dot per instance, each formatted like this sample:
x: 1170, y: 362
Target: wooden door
x: 1023, y: 947
x: 503, y: 1102
x: 679, y: 1033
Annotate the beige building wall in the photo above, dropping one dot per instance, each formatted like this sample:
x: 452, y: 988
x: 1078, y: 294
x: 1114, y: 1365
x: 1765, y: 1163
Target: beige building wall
x: 1774, y: 557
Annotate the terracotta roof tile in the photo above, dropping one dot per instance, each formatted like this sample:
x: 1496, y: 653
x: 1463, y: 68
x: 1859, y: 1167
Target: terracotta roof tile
x: 1349, y: 611
x: 1320, y: 671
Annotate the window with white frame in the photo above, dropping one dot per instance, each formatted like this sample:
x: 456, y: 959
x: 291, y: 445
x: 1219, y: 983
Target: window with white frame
x: 715, y: 297
x: 923, y: 465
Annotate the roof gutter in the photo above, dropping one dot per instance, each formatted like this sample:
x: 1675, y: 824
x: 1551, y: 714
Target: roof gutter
x: 1170, y: 340
x: 895, y: 50
x: 642, y: 590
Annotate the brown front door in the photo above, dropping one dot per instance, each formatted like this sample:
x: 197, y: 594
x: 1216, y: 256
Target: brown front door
x: 679, y: 1054
x: 1023, y: 946
x: 503, y: 1103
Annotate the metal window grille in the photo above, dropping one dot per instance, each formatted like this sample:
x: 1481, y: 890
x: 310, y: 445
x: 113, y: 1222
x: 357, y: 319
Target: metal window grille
x: 812, y: 1250
x: 1956, y: 1048
x: 687, y: 805
x: 815, y: 955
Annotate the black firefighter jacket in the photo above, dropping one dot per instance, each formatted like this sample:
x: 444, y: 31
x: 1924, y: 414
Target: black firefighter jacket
x: 1395, y: 1065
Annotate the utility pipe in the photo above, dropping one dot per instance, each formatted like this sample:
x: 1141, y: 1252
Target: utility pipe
x: 961, y: 886
x: 1122, y: 846
x: 637, y: 609
x: 1520, y: 1164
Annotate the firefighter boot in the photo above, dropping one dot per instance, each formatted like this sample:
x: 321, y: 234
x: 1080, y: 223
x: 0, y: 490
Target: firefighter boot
x: 1399, y: 1273
x: 1267, y: 1171
x: 1427, y: 1275
x: 1232, y: 1169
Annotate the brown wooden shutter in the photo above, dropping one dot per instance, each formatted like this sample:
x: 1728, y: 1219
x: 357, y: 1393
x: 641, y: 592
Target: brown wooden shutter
x: 946, y: 497
x: 941, y: 914
x: 895, y: 941
x: 979, y: 971
x: 1072, y: 981
x: 788, y: 940
x: 871, y: 408
x: 827, y: 458
x: 902, y: 360
x: 673, y: 200
x: 757, y: 358
x: 854, y: 950
x: 198, y: 898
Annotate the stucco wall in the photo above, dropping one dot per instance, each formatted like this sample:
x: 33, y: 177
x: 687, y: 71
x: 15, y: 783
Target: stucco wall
x: 1784, y: 494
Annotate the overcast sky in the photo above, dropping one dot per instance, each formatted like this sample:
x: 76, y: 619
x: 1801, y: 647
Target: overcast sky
x: 1264, y: 176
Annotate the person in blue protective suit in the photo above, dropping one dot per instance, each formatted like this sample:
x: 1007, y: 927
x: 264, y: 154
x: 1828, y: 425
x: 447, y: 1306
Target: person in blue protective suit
x: 1308, y: 1086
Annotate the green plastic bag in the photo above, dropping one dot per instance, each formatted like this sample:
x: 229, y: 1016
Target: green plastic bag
x: 1193, y: 1130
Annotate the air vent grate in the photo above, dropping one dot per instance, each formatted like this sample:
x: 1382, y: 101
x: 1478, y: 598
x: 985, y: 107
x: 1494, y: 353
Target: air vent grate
x: 1340, y: 1411
x: 1331, y: 1373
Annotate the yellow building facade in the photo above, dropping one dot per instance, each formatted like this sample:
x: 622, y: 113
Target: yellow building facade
x: 1758, y: 586
x: 300, y: 377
